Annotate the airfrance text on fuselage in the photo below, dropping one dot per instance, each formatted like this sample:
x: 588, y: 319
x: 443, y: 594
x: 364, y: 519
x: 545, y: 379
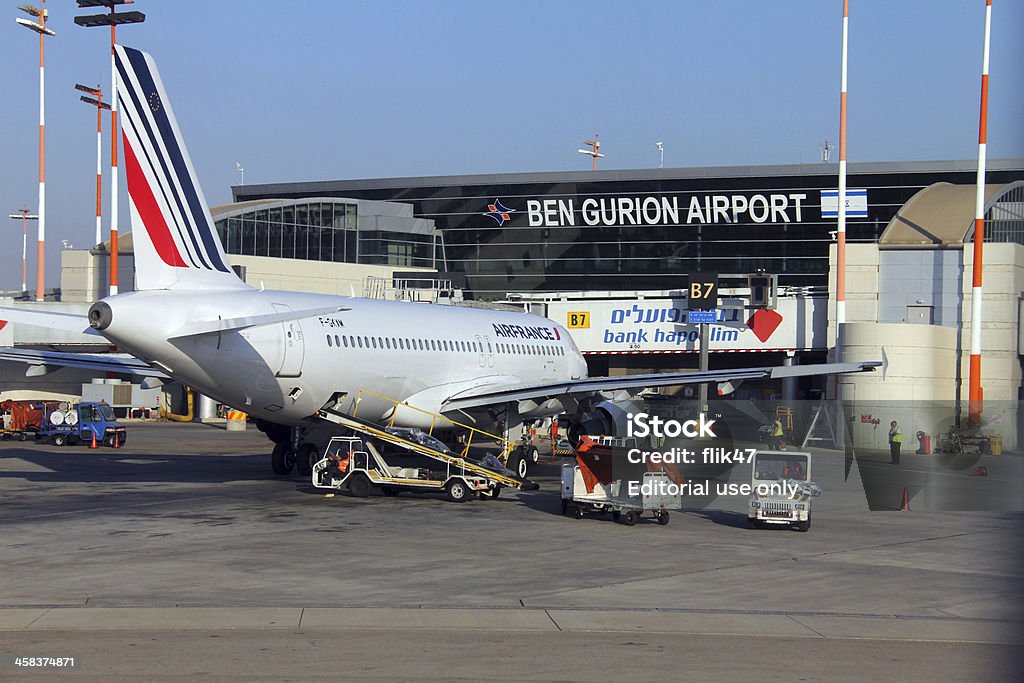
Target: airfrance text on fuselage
x: 710, y: 209
x: 525, y: 332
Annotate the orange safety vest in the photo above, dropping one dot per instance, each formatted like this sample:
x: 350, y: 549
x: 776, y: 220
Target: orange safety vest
x: 343, y: 463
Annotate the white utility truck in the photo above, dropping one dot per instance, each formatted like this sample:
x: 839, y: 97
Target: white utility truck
x: 782, y: 490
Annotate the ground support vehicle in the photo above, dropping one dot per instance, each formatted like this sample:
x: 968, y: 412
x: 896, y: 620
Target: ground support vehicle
x: 545, y: 438
x: 656, y: 497
x: 21, y: 419
x: 782, y: 490
x: 354, y: 463
x: 67, y: 424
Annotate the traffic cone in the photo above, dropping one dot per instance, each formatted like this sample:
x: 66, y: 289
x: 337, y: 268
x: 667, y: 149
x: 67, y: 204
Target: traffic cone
x: 92, y: 444
x: 905, y: 505
x: 117, y: 442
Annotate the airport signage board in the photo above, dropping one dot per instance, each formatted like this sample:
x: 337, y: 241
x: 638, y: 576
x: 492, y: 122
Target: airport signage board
x: 699, y: 317
x: 658, y: 209
x: 631, y: 326
x: 856, y: 203
x: 702, y: 292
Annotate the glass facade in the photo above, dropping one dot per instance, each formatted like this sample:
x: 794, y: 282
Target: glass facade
x: 644, y: 230
x: 319, y: 231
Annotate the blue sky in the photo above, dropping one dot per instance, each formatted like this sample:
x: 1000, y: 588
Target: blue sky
x: 323, y: 89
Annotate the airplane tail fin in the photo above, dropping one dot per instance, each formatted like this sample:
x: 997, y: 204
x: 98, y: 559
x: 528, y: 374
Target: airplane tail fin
x: 176, y: 246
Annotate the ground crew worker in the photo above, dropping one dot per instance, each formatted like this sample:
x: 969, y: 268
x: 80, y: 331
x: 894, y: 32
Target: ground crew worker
x: 793, y: 471
x: 895, y: 440
x: 775, y: 438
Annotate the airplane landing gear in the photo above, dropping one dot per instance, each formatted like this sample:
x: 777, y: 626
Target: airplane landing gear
x: 282, y: 460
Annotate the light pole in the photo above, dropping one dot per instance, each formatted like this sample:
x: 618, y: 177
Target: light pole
x: 976, y: 393
x: 100, y: 106
x: 661, y: 149
x: 595, y: 145
x: 238, y: 167
x: 25, y: 217
x: 40, y: 28
x: 111, y: 20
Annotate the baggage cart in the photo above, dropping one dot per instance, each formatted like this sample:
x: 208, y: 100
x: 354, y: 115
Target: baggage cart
x: 657, y: 495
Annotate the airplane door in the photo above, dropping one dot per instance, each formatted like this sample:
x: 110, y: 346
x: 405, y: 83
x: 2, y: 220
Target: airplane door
x: 294, y: 346
x: 490, y: 352
x: 483, y: 353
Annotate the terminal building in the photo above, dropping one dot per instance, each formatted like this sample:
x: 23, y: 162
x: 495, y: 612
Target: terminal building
x: 645, y: 229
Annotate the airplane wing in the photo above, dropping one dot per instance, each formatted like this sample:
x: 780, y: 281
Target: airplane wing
x: 635, y: 383
x: 100, y: 362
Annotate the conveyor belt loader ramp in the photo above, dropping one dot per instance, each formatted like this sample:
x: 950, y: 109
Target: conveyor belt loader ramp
x: 367, y: 462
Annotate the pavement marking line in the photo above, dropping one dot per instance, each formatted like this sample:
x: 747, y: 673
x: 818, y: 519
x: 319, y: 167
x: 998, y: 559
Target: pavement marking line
x: 457, y: 619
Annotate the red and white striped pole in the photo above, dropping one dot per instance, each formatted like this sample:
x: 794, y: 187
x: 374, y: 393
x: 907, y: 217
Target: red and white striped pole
x: 99, y: 166
x: 974, y: 378
x: 41, y: 244
x: 113, y: 162
x: 841, y: 229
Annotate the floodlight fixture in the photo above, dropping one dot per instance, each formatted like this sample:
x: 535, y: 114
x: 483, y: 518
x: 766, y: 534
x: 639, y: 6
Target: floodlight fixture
x: 38, y: 28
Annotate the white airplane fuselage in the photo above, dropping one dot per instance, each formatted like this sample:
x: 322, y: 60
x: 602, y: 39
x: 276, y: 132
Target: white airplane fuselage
x: 420, y: 354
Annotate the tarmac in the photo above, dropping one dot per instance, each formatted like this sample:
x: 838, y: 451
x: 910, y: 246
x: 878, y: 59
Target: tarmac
x: 182, y: 555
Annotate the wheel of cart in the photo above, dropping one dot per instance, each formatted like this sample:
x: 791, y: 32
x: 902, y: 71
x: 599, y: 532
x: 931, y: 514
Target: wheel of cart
x: 630, y: 518
x: 359, y: 485
x: 458, y: 491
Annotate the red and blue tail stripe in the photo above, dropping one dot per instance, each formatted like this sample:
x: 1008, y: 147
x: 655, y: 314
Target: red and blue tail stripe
x: 167, y: 201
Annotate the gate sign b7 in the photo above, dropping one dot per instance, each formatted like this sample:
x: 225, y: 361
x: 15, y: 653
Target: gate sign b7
x: 702, y: 293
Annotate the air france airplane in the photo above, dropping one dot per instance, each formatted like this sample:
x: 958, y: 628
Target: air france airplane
x: 281, y: 356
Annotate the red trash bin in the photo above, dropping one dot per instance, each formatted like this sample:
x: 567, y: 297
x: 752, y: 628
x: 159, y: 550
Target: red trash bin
x: 925, y: 443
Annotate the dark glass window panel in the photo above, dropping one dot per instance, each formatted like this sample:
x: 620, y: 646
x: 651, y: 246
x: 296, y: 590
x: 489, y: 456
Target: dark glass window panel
x: 275, y: 238
x: 248, y: 237
x: 288, y: 241
x: 327, y: 244
x: 313, y: 244
x: 234, y: 245
x: 301, y: 237
x: 262, y: 239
